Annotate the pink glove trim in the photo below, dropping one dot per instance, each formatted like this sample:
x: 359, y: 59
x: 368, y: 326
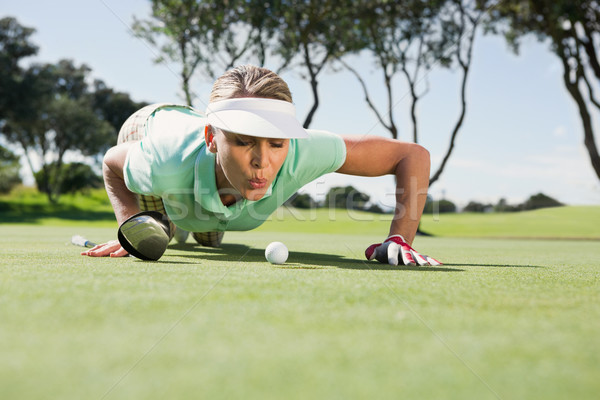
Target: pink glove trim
x: 409, y: 255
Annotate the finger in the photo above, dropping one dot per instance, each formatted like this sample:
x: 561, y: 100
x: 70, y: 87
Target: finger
x: 102, y: 250
x: 370, y: 251
x: 392, y: 253
x: 407, y: 257
x: 96, y: 247
x: 433, y: 261
x: 92, y: 252
x: 97, y: 253
x: 121, y: 252
x: 421, y: 260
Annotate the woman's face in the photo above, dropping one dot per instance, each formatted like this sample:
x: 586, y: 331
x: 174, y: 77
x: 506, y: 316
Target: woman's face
x: 246, y: 165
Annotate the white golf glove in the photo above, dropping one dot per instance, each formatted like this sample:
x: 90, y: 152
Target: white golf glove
x: 394, y: 250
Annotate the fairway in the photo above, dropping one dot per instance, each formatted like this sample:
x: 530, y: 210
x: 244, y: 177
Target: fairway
x: 501, y: 319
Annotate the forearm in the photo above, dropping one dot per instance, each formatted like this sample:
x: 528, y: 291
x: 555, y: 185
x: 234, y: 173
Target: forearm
x: 408, y: 162
x: 412, y: 182
x: 124, y: 202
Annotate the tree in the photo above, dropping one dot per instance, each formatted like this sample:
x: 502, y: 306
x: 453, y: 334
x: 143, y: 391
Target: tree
x: 55, y: 116
x: 58, y: 117
x: 302, y: 200
x: 503, y: 206
x: 113, y: 107
x: 314, y: 33
x: 438, y: 206
x: 9, y: 170
x: 206, y: 36
x: 14, y: 46
x: 475, y: 206
x: 572, y: 27
x: 72, y: 178
x: 51, y: 109
x: 346, y: 197
x: 539, y: 200
x: 408, y: 39
x: 210, y: 37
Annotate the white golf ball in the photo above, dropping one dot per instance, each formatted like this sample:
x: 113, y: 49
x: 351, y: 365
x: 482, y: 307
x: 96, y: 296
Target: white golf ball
x: 276, y: 253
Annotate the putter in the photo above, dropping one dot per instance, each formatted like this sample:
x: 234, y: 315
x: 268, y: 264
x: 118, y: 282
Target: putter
x: 145, y: 235
x: 79, y: 240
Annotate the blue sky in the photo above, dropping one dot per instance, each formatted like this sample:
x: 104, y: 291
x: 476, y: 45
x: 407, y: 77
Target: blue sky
x: 521, y: 135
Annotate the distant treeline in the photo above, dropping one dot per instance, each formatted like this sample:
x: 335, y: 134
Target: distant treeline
x: 350, y: 198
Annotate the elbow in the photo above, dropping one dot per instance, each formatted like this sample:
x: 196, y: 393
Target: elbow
x: 421, y: 154
x: 110, y: 163
x: 106, y: 161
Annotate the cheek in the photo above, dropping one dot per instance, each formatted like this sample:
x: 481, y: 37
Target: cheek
x: 279, y: 158
x: 233, y: 163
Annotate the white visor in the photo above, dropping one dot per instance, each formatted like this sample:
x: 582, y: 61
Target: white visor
x: 254, y: 116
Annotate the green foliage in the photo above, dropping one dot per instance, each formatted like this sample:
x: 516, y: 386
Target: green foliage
x: 439, y: 206
x: 210, y: 37
x: 534, y: 202
x: 475, y: 206
x: 572, y: 28
x: 70, y: 178
x: 503, y: 206
x: 14, y: 46
x: 58, y: 110
x: 302, y: 200
x: 9, y: 170
x: 113, y: 107
x: 197, y: 35
x: 540, y: 200
x: 346, y: 197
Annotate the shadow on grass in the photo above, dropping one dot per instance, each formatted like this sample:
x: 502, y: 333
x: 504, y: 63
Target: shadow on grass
x: 34, y: 213
x: 496, y: 265
x: 297, y: 259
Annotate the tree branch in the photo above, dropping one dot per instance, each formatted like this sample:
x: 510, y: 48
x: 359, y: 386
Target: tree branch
x: 366, y: 93
x: 465, y: 65
x: 573, y: 89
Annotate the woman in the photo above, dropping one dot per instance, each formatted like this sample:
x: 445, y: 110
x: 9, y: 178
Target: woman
x: 231, y: 168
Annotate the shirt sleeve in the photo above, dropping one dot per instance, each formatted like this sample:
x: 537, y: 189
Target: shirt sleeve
x: 137, y: 170
x: 164, y: 159
x: 319, y: 154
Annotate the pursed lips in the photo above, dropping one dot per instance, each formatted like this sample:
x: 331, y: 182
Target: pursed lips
x: 257, y: 183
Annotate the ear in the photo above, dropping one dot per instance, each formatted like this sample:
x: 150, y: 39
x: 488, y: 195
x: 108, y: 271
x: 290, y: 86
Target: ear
x: 209, y: 138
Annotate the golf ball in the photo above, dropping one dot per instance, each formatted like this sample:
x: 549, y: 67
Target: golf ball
x: 276, y: 253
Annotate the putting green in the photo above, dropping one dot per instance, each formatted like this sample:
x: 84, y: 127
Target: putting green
x: 501, y: 319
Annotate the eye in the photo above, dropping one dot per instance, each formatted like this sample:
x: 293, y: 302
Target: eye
x: 240, y: 142
x: 277, y: 145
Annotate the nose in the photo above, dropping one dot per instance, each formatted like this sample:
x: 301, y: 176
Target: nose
x: 260, y: 156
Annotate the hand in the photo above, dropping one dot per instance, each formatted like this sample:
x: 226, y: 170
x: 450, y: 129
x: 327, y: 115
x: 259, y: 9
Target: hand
x: 395, y: 250
x: 112, y: 249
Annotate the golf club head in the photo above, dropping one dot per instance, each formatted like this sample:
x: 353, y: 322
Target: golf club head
x: 145, y: 235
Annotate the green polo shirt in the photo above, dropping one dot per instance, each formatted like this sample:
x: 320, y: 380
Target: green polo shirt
x: 172, y: 162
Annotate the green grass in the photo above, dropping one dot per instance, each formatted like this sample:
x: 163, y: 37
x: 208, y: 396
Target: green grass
x: 26, y: 205
x: 502, y: 319
x: 573, y: 222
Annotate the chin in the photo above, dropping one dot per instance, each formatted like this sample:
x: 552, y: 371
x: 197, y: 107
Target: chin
x: 253, y: 196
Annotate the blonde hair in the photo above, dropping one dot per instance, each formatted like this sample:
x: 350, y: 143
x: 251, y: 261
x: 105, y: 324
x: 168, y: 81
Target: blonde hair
x: 250, y: 81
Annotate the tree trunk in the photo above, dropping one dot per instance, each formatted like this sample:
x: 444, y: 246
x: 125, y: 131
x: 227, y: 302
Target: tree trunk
x: 314, y: 86
x: 586, y: 120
